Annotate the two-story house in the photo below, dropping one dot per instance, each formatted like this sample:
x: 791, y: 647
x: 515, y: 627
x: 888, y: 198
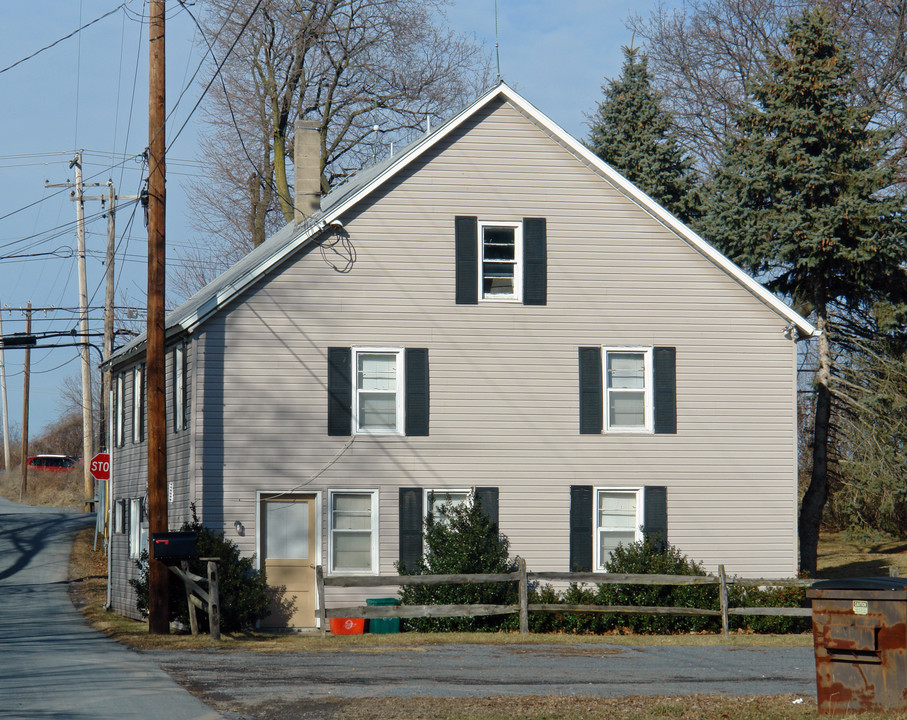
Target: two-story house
x: 495, y: 312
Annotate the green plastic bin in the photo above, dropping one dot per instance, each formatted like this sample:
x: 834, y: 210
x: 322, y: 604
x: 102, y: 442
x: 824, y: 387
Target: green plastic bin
x: 383, y: 626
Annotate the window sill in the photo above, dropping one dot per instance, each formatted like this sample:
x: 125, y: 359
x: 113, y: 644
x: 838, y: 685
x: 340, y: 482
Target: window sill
x: 379, y: 435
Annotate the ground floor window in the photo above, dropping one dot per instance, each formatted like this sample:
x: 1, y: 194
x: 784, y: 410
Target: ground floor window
x: 618, y: 520
x: 436, y: 499
x: 353, y: 533
x: 138, y: 529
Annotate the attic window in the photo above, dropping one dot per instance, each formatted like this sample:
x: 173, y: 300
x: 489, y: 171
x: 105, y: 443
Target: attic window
x: 501, y: 253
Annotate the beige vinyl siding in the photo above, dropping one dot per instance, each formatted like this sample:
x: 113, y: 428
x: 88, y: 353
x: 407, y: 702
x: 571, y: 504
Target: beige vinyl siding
x: 130, y: 478
x: 504, y: 379
x: 503, y: 376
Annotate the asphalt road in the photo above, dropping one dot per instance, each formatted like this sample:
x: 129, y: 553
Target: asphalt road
x: 55, y: 666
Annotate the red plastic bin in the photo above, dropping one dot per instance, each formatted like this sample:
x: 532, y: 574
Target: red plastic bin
x: 347, y: 626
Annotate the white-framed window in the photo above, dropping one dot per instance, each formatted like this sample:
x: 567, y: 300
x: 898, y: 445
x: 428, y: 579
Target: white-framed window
x: 138, y: 529
x: 434, y: 499
x: 628, y: 389
x: 501, y: 260
x: 353, y: 531
x: 120, y: 414
x: 378, y: 388
x: 618, y: 520
x: 119, y: 510
x: 138, y: 405
x: 179, y: 387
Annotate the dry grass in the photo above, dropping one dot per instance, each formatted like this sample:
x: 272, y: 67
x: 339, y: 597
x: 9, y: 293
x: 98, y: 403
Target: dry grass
x: 45, y: 489
x: 840, y: 555
x: 700, y: 707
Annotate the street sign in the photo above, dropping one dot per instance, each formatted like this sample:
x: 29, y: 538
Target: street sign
x: 100, y: 466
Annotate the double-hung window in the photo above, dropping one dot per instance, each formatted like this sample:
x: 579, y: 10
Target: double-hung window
x: 628, y: 388
x: 179, y: 387
x: 378, y: 391
x: 138, y: 530
x: 119, y: 426
x: 378, y: 404
x: 502, y: 256
x: 436, y: 499
x: 138, y: 405
x: 353, y: 536
x: 618, y: 519
x: 501, y: 260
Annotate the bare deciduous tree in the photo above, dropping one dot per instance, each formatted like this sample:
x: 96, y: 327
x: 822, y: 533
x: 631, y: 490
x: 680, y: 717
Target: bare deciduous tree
x: 371, y: 72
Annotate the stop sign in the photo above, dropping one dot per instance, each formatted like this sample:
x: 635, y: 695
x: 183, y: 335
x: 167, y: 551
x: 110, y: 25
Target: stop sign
x: 100, y: 466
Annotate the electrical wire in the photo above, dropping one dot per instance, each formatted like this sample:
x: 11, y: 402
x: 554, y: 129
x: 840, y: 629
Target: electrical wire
x: 66, y: 37
x: 220, y: 65
x: 135, y: 83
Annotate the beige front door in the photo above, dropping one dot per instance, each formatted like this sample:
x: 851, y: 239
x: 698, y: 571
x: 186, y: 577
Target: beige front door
x: 289, y: 532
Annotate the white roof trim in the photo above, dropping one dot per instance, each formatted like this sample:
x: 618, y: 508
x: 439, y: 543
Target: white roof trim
x: 663, y: 216
x: 306, y: 233
x: 303, y: 234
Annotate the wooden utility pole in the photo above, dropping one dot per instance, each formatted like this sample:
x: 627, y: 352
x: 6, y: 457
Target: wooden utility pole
x: 23, y: 488
x: 87, y: 424
x: 79, y: 197
x: 158, y: 575
x: 108, y: 312
x: 4, y: 408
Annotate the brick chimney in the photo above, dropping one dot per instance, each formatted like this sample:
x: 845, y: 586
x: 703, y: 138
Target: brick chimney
x: 306, y: 169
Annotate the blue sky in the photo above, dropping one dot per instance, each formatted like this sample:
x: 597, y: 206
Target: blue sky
x: 90, y: 92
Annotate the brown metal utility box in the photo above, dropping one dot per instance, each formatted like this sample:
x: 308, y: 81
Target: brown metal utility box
x: 860, y: 636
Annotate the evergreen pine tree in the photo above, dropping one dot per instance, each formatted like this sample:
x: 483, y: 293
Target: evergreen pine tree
x: 631, y: 133
x: 801, y: 202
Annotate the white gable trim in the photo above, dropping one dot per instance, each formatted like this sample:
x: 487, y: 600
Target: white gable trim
x: 663, y: 216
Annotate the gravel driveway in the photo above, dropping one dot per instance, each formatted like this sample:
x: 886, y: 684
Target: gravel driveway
x: 240, y: 685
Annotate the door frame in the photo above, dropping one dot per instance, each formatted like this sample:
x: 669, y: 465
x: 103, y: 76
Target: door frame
x: 263, y: 495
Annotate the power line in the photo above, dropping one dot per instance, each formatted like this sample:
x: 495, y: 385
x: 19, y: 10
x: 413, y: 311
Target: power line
x: 65, y: 37
x: 220, y: 65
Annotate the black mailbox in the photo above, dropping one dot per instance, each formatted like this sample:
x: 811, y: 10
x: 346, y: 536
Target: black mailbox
x: 171, y: 547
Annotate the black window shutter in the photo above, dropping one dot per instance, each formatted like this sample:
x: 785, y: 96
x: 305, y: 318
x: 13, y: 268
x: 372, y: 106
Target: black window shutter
x: 487, y: 498
x: 417, y: 391
x: 655, y: 511
x: 590, y: 390
x: 411, y: 518
x: 126, y: 519
x: 535, y: 261
x: 580, y: 528
x: 466, y: 231
x: 340, y: 391
x: 665, y: 365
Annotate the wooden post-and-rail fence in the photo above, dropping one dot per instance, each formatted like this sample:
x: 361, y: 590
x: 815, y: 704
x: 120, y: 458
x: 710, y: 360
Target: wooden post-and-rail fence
x: 198, y: 597
x: 523, y: 577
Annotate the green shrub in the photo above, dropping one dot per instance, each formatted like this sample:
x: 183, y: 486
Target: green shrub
x: 653, y: 556
x: 244, y: 595
x: 744, y: 596
x: 462, y: 541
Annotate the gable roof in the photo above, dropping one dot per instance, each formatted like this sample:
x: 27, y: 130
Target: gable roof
x: 291, y: 237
